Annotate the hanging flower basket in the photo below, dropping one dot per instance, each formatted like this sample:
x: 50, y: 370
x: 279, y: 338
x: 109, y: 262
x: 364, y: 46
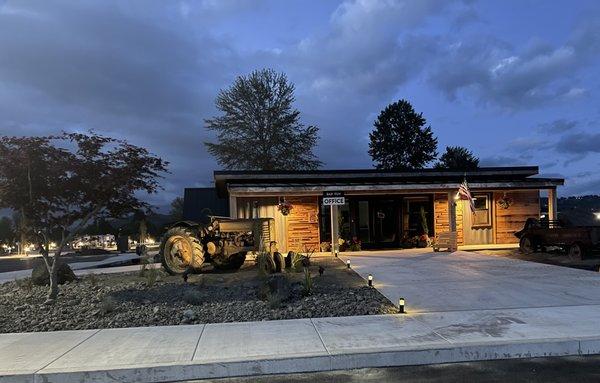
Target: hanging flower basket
x: 284, y: 207
x: 505, y: 202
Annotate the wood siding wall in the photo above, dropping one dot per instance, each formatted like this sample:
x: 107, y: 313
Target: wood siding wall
x: 303, y: 224
x: 526, y: 204
x: 441, y: 224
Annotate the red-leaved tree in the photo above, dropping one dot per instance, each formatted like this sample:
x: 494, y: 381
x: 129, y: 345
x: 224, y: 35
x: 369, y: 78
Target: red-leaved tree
x: 61, y: 183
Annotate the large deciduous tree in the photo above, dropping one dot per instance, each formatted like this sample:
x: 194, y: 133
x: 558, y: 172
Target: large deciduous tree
x: 400, y: 139
x: 259, y: 129
x: 457, y: 158
x: 66, y: 181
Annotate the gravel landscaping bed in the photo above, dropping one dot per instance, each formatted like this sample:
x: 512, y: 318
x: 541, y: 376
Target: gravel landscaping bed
x: 130, y: 299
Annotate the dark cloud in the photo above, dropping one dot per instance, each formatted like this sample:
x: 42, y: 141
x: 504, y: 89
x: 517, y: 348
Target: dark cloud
x: 497, y: 73
x: 560, y: 125
x: 500, y: 160
x: 580, y: 143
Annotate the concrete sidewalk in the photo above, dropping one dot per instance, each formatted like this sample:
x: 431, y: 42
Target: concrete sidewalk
x: 162, y: 354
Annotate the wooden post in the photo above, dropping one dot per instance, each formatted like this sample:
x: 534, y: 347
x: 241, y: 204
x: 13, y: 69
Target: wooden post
x: 552, y: 202
x: 452, y: 220
x: 334, y: 229
x: 232, y: 206
x: 451, y: 211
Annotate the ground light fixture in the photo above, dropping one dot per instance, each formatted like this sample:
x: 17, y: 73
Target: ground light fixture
x: 336, y: 252
x: 370, y: 280
x: 401, y: 306
x: 348, y: 263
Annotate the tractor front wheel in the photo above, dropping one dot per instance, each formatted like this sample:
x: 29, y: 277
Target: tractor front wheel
x: 526, y: 245
x: 181, y: 251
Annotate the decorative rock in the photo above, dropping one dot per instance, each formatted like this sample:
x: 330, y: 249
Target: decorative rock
x: 41, y: 277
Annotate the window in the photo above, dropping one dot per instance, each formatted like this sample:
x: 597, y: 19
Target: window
x: 483, y: 211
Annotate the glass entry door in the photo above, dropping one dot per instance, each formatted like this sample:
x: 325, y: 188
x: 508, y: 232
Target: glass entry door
x: 385, y: 219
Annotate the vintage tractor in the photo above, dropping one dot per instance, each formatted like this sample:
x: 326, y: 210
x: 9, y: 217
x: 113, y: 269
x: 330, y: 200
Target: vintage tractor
x: 224, y: 242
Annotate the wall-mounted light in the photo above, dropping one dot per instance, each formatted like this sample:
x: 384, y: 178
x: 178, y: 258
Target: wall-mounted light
x: 370, y: 280
x: 401, y: 306
x: 457, y: 196
x: 597, y: 215
x: 348, y: 263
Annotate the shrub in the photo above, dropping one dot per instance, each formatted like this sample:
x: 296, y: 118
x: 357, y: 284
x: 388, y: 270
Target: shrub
x: 92, y: 279
x: 265, y: 263
x: 274, y: 300
x: 192, y: 297
x: 300, y: 260
x: 25, y: 284
x: 354, y: 244
x: 107, y: 304
x: 307, y: 282
x: 149, y: 273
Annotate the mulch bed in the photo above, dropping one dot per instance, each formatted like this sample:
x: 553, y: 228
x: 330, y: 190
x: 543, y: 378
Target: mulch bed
x: 131, y: 299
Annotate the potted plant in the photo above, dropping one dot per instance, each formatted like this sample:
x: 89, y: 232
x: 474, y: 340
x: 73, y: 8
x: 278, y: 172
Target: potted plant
x: 423, y: 240
x: 284, y: 207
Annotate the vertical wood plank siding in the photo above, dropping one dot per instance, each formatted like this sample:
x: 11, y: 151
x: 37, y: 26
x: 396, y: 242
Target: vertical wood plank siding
x: 441, y: 224
x: 526, y: 204
x: 303, y: 224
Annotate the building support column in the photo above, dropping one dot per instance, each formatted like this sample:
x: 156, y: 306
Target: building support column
x: 232, y: 206
x: 335, y: 244
x: 552, y: 204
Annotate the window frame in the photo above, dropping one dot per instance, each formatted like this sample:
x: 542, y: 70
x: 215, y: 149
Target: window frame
x: 488, y: 223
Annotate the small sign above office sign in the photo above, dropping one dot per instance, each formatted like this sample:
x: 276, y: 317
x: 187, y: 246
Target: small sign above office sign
x: 333, y: 198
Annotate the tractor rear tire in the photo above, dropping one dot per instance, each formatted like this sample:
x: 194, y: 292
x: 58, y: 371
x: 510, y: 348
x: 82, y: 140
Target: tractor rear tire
x: 181, y: 251
x: 233, y: 262
x: 279, y: 262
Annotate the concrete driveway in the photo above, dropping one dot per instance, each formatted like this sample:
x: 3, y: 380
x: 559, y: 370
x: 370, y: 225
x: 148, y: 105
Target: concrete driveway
x: 462, y: 280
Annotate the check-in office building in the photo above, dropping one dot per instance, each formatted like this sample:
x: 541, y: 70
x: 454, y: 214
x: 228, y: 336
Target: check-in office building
x: 383, y: 207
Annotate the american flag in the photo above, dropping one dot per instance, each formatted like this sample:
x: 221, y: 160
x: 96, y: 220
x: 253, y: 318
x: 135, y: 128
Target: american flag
x: 465, y: 194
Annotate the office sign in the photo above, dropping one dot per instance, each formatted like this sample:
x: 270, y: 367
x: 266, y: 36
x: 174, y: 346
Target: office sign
x: 333, y: 198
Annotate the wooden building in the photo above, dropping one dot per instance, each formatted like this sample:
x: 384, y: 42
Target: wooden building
x: 384, y: 208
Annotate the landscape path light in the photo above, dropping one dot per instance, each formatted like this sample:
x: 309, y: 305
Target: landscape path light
x: 348, y: 263
x: 370, y: 280
x: 401, y: 306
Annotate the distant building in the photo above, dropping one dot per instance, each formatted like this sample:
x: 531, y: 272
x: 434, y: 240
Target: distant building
x: 199, y: 203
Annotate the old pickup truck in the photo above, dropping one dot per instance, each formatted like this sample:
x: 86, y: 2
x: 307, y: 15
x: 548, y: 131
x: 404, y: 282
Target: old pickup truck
x: 577, y: 241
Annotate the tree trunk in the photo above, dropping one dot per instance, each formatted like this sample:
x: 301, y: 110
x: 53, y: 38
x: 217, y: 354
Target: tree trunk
x: 53, y: 291
x: 22, y: 234
x: 143, y: 231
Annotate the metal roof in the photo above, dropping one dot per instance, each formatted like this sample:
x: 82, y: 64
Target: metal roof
x: 363, y: 178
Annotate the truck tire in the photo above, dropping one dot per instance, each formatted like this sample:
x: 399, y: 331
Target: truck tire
x: 233, y: 262
x: 526, y: 245
x: 180, y: 250
x: 576, y: 252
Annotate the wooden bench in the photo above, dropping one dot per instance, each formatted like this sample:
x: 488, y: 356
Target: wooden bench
x: 446, y: 240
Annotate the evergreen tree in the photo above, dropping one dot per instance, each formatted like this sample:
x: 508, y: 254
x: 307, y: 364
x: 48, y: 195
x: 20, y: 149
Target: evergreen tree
x: 457, y: 158
x: 259, y: 129
x: 400, y: 140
